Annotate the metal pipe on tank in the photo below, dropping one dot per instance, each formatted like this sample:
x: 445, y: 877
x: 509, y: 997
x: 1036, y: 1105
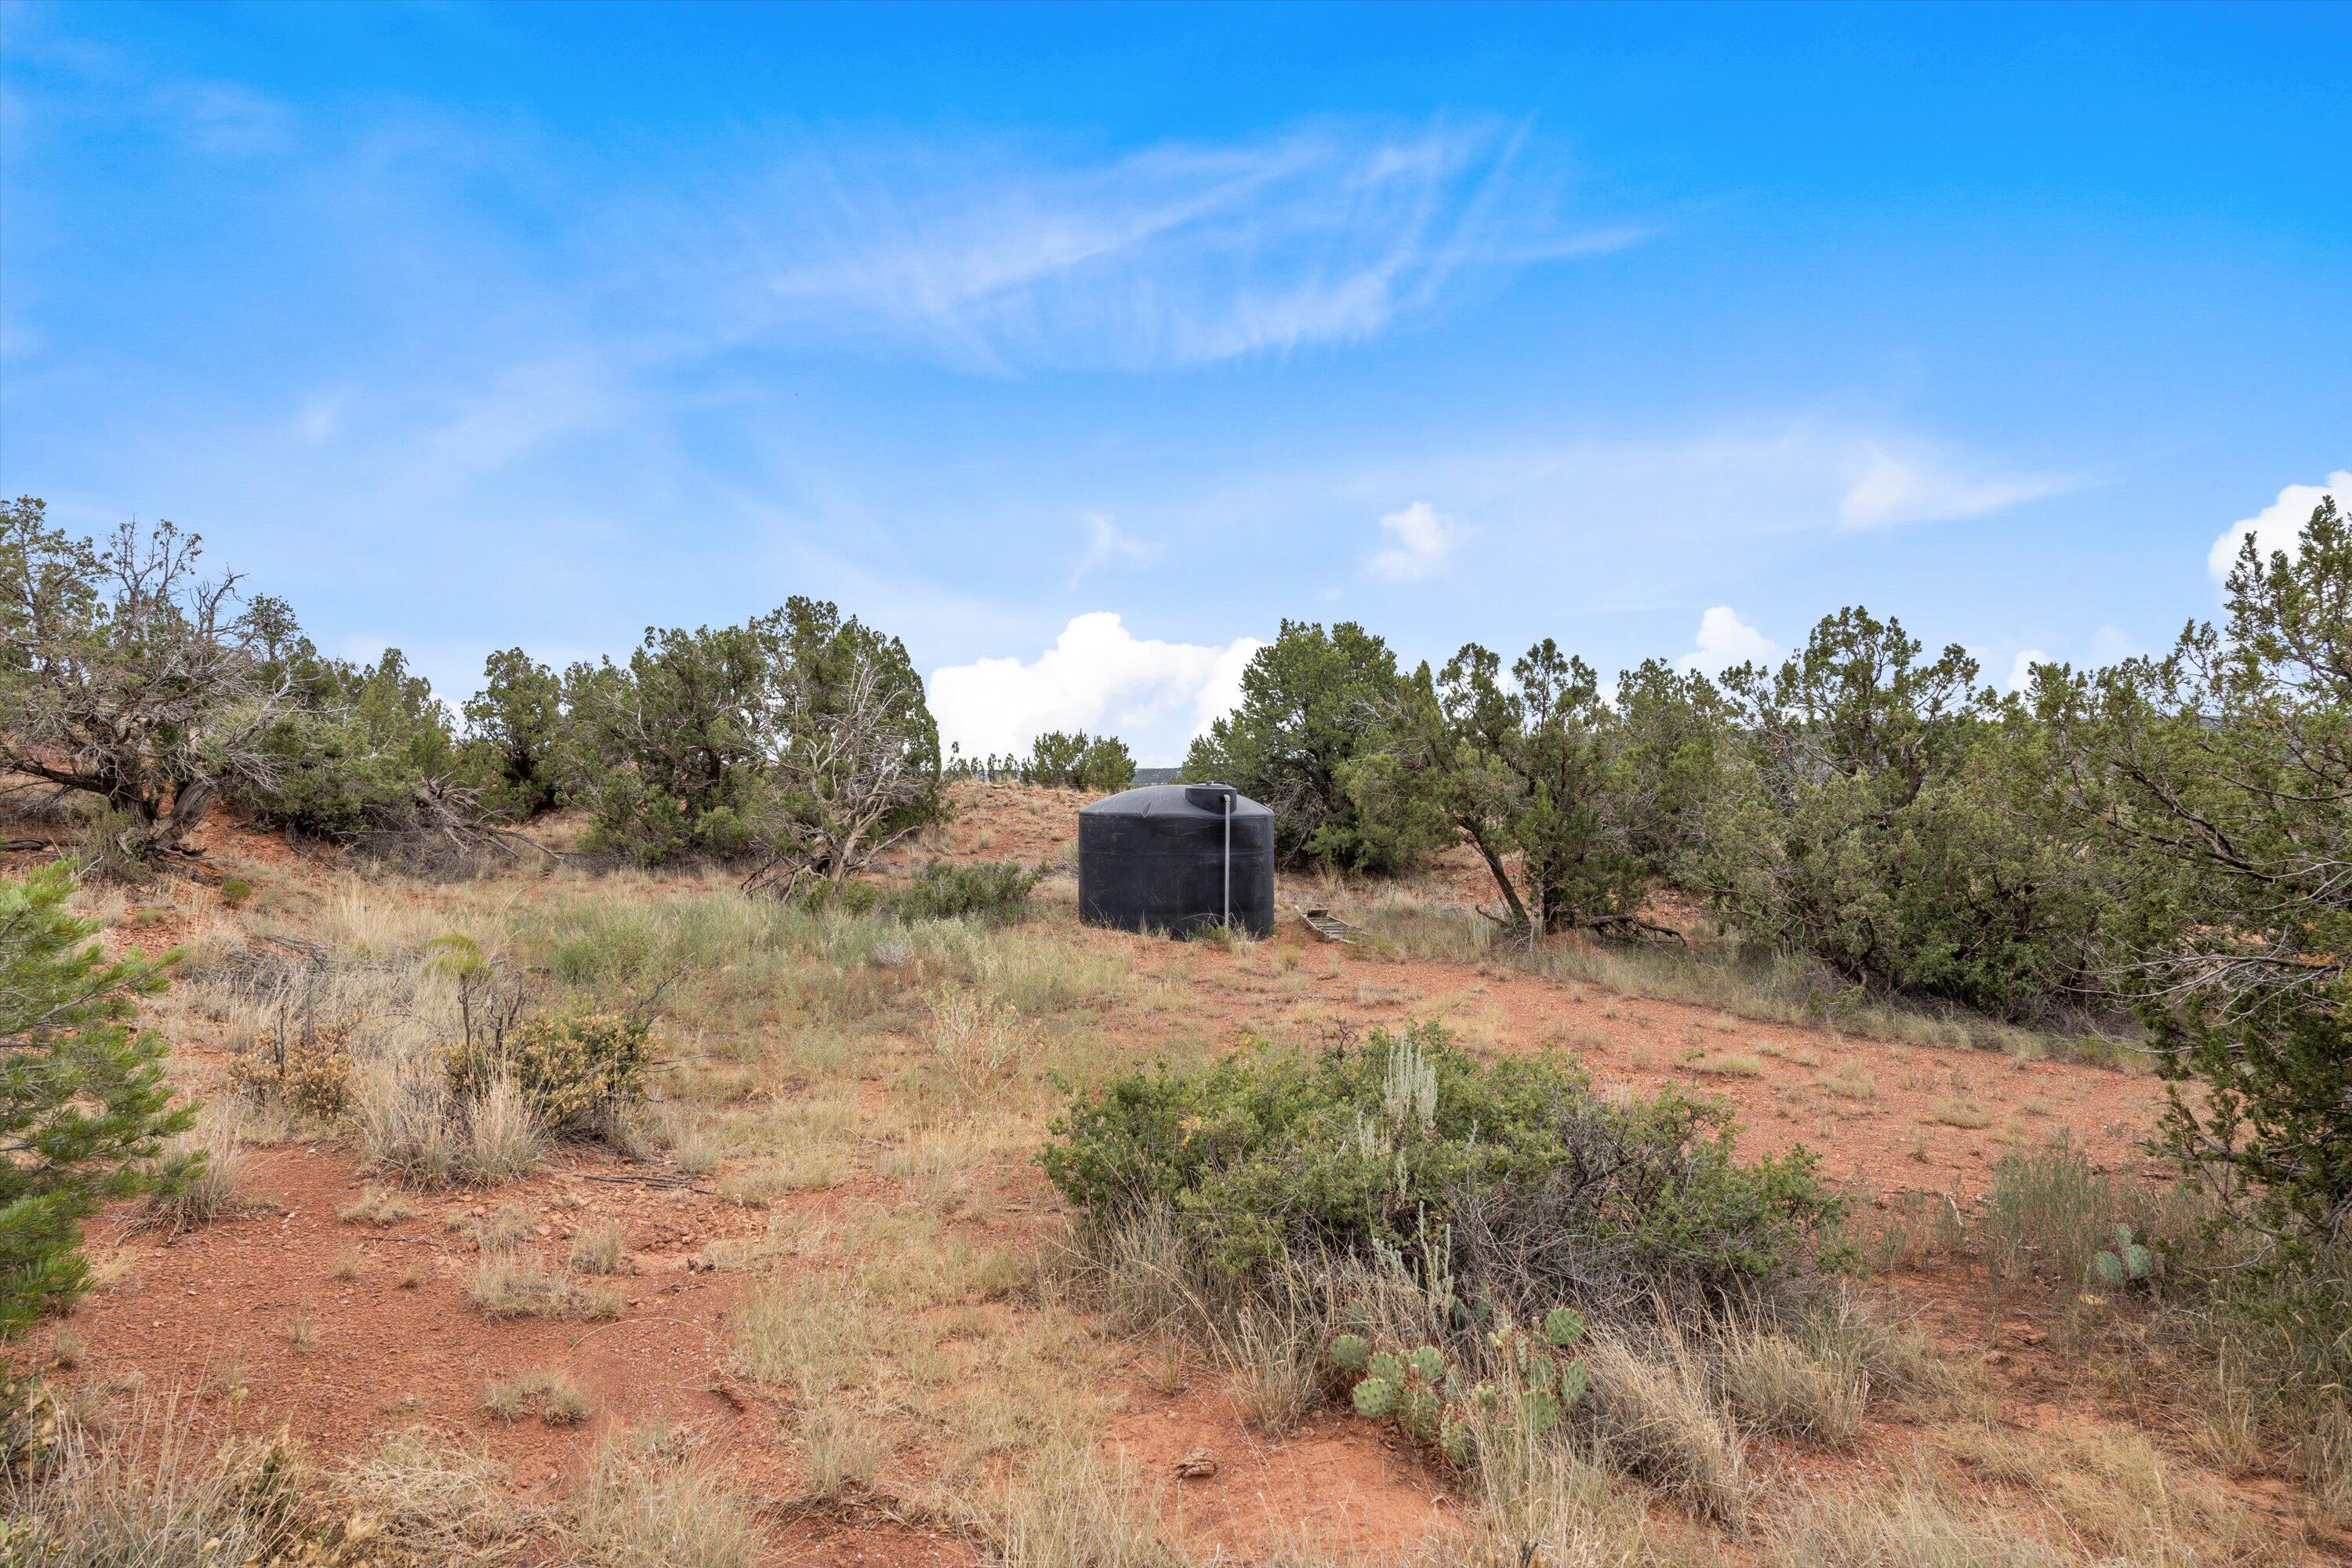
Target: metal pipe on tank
x: 1229, y: 859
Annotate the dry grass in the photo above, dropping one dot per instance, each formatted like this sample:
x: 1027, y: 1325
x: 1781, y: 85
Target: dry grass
x: 154, y: 1495
x: 550, y: 1393
x: 1850, y: 1081
x: 1915, y: 1523
x: 1958, y: 1110
x: 1658, y: 1415
x: 217, y: 1190
x: 375, y: 1205
x: 514, y: 1285
x: 1080, y: 1511
x: 1729, y: 1065
x: 846, y: 1452
x: 1784, y: 1387
x: 439, y: 1501
x: 600, y: 1249
x: 648, y: 1505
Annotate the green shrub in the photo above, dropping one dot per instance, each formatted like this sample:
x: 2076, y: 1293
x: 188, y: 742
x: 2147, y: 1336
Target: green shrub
x: 580, y: 1071
x: 234, y: 891
x: 993, y: 891
x: 1515, y: 1178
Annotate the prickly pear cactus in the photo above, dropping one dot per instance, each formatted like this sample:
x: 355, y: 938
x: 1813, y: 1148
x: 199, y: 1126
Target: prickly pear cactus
x: 2126, y: 1263
x: 1432, y: 1399
x: 1563, y: 1326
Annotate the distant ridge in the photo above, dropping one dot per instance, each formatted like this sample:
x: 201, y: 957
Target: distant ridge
x: 1156, y: 775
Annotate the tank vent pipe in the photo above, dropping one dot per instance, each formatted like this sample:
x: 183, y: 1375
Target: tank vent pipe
x: 1229, y: 860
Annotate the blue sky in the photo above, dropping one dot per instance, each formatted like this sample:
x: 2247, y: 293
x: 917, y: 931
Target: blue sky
x: 1081, y: 346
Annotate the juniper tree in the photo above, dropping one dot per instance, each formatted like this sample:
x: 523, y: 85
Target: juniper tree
x: 516, y: 724
x: 127, y: 676
x: 1313, y: 705
x: 2223, y: 771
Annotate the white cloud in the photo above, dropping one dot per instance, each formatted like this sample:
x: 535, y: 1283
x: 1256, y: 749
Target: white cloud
x: 1424, y: 538
x: 1182, y: 253
x: 1724, y: 640
x: 1885, y: 488
x: 1097, y: 677
x: 1107, y: 546
x: 2020, y: 668
x: 2278, y: 526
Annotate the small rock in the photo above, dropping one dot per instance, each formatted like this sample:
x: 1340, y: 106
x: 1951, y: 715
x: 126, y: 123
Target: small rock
x: 1197, y: 1466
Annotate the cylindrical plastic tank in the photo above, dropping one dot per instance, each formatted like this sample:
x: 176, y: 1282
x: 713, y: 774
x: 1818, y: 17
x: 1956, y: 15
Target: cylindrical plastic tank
x: 1157, y: 859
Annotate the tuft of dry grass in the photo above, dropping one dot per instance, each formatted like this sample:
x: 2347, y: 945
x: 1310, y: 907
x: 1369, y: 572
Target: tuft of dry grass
x: 375, y: 1205
x: 1784, y: 1387
x: 645, y: 1505
x: 1850, y: 1081
x: 978, y: 1041
x: 1080, y: 1510
x: 431, y: 1498
x: 1729, y: 1065
x: 1658, y: 1416
x: 216, y: 1191
x: 153, y: 1493
x: 504, y: 1139
x: 514, y: 1285
x: 600, y: 1249
x: 1958, y: 1110
x: 550, y: 1393
x: 845, y: 1453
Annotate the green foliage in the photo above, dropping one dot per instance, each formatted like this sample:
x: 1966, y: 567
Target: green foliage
x: 1520, y: 768
x: 799, y: 738
x: 515, y: 733
x: 84, y: 1106
x: 1313, y: 706
x: 236, y: 891
x: 353, y: 754
x: 995, y: 892
x: 1060, y: 759
x: 1880, y: 814
x: 2219, y: 776
x: 128, y: 676
x: 1515, y: 1176
x: 581, y: 1071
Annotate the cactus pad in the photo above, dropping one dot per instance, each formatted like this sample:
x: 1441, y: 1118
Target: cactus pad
x: 1563, y: 1326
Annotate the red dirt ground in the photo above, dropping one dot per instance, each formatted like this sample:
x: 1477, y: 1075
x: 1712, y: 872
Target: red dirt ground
x: 212, y: 1316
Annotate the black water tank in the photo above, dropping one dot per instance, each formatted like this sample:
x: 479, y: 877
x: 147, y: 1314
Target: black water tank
x: 1155, y: 859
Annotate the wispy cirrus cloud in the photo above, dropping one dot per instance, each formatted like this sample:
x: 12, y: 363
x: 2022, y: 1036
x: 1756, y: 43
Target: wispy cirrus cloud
x: 1107, y: 546
x: 1179, y: 253
x: 1887, y: 486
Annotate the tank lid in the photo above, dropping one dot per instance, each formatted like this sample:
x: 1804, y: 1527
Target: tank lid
x: 1203, y: 800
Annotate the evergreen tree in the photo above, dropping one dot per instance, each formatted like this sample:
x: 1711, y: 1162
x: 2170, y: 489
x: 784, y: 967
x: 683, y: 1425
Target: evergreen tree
x: 84, y: 1106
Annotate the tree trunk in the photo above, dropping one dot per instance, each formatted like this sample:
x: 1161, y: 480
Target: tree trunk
x: 189, y: 807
